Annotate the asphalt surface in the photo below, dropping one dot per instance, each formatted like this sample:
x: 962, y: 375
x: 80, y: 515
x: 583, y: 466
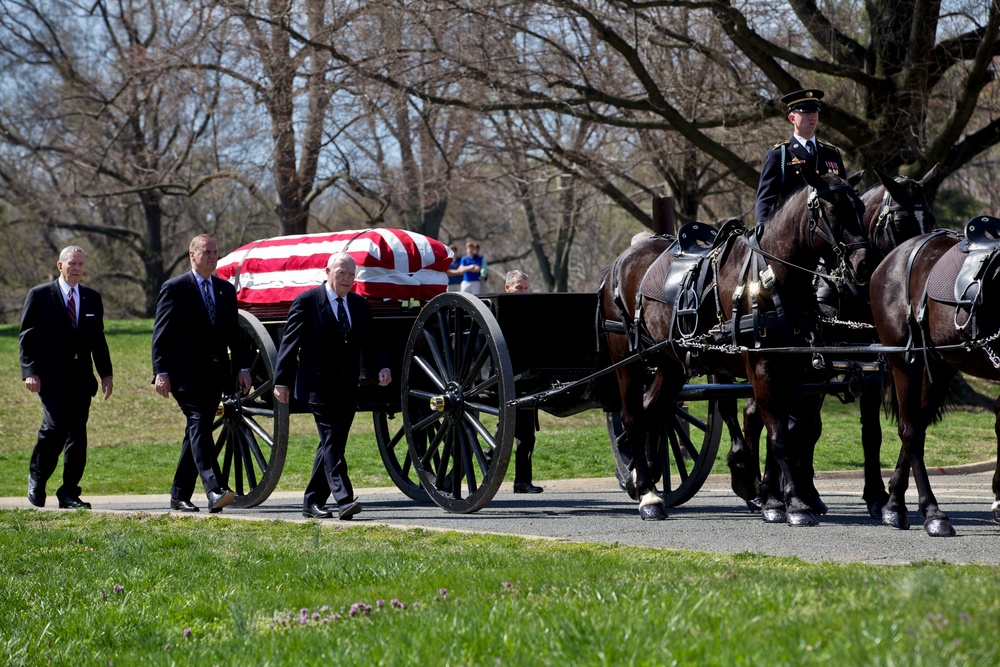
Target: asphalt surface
x: 596, y: 510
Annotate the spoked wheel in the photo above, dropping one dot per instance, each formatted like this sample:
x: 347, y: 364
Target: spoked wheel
x: 251, y: 435
x: 392, y: 446
x: 688, y: 443
x: 457, y: 386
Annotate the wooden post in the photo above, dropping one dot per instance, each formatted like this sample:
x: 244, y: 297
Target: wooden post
x: 663, y: 215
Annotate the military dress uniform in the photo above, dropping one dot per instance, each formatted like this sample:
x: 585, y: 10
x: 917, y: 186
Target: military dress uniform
x: 781, y: 174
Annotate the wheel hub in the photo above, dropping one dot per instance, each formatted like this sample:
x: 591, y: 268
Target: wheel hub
x: 451, y: 402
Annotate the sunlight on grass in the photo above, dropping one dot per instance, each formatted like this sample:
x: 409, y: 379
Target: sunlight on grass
x: 86, y: 589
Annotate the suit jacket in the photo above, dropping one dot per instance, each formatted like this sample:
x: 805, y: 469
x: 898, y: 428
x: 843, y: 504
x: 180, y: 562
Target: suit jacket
x: 315, y: 359
x: 61, y: 356
x: 185, y: 344
x: 781, y: 174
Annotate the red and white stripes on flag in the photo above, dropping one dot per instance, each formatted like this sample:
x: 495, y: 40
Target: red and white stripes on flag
x: 392, y: 264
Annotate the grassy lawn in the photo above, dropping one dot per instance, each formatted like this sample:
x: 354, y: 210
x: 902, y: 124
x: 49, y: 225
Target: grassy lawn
x: 135, y: 436
x: 84, y: 589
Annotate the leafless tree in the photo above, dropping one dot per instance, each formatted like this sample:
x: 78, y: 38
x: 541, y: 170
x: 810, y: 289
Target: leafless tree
x: 102, y: 132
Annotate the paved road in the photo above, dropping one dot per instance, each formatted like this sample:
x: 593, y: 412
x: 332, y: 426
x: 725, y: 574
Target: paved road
x: 714, y: 521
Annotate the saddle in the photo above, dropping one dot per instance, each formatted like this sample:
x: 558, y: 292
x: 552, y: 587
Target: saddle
x: 695, y: 242
x: 959, y: 278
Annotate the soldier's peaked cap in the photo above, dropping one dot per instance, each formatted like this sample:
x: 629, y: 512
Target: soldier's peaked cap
x: 803, y: 100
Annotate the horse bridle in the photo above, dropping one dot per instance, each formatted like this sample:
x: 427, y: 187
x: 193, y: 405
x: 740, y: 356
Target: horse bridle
x: 817, y: 214
x: 882, y: 227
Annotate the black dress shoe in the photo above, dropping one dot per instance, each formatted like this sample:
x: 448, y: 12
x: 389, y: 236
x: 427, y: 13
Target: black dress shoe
x: 219, y: 498
x: 347, y: 510
x: 183, y: 505
x: 316, y: 512
x: 36, y: 495
x: 526, y: 487
x: 73, y: 504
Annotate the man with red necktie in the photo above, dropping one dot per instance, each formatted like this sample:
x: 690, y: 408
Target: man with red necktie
x: 62, y: 339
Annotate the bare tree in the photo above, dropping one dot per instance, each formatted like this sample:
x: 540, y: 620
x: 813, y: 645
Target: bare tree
x: 915, y: 94
x: 112, y: 127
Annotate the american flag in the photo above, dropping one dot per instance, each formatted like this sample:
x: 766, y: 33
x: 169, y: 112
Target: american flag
x: 392, y: 264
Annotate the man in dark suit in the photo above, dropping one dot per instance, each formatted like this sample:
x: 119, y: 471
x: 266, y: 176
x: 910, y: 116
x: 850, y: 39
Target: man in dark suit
x: 195, y: 328
x: 781, y: 174
x: 327, y: 330
x: 527, y: 420
x: 62, y: 339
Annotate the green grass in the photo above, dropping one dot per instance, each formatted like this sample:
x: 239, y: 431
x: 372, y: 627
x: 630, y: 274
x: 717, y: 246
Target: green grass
x: 506, y: 600
x: 135, y: 437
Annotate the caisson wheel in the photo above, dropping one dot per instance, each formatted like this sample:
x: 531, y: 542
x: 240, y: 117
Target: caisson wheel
x: 457, y: 388
x: 688, y: 441
x: 251, y: 434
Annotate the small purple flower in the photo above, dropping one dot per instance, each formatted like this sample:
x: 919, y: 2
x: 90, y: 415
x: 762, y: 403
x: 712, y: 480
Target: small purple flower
x: 507, y: 584
x: 395, y: 603
x: 315, y: 616
x: 119, y: 589
x: 444, y: 593
x: 415, y: 605
x: 325, y: 607
x: 379, y: 603
x: 187, y: 632
x: 336, y: 617
x: 104, y: 596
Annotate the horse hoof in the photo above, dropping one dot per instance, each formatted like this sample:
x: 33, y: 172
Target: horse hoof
x: 939, y: 528
x: 895, y: 519
x: 875, y: 510
x: 652, y: 513
x: 772, y: 515
x: 801, y: 519
x: 755, y: 505
x: 996, y: 516
x: 818, y: 506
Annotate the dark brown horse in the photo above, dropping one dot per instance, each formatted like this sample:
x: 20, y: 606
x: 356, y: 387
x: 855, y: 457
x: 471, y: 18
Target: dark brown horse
x: 760, y: 293
x: 915, y: 307
x: 895, y: 210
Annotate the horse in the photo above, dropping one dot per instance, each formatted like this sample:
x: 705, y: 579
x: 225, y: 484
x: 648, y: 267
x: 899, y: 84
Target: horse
x: 756, y: 294
x: 895, y: 210
x: 935, y: 333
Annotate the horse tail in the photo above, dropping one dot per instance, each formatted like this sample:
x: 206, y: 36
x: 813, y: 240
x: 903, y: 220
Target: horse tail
x: 890, y: 402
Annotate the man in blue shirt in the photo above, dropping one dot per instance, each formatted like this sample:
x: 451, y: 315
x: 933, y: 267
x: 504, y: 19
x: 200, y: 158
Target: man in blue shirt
x: 472, y: 266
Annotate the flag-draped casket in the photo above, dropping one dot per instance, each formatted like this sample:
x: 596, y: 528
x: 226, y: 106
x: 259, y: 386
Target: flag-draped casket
x: 392, y: 264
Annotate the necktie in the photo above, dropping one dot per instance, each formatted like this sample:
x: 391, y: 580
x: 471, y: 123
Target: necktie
x: 809, y: 147
x: 71, y: 307
x: 345, y: 324
x: 209, y: 303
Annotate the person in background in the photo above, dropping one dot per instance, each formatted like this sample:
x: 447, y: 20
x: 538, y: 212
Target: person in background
x: 196, y: 327
x: 455, y: 271
x: 527, y: 420
x: 328, y: 328
x: 472, y: 269
x: 781, y: 174
x: 62, y: 339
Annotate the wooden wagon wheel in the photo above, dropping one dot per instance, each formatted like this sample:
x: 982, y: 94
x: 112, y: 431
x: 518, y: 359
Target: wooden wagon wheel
x: 251, y: 434
x: 685, y: 463
x: 456, y: 358
x: 395, y: 453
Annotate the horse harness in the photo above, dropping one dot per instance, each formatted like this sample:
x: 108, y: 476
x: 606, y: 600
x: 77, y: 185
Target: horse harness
x: 977, y: 261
